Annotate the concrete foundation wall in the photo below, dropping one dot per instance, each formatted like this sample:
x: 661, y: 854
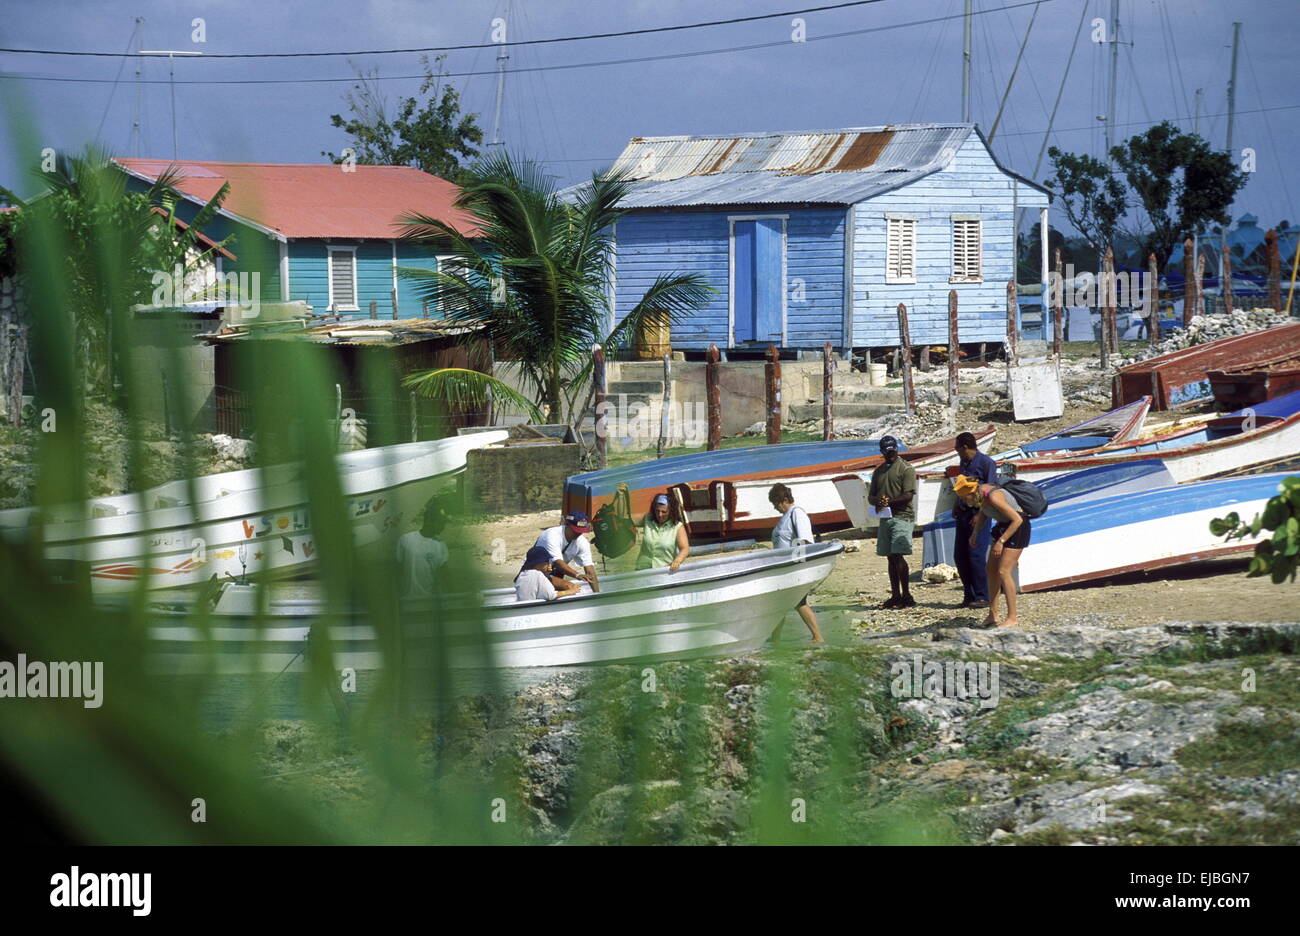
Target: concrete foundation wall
x: 513, y: 479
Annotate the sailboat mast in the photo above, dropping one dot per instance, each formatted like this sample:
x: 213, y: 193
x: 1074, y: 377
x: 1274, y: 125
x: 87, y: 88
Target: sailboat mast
x: 1114, y: 75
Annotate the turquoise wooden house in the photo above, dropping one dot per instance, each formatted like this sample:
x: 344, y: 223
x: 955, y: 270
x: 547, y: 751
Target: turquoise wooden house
x: 320, y: 233
x: 818, y: 236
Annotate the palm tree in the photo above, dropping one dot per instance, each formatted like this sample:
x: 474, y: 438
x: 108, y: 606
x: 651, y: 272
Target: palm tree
x: 533, y: 288
x: 111, y: 242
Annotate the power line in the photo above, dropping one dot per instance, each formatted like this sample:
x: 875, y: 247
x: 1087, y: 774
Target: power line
x: 542, y: 68
x: 487, y: 45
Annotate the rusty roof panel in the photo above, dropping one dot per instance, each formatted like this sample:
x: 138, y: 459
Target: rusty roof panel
x: 863, y: 151
x: 828, y: 167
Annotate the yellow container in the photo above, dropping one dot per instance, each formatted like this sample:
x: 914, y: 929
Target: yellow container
x: 654, y: 338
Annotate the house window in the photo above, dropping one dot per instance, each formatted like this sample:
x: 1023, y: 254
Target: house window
x: 452, y: 265
x: 343, y: 278
x: 967, y: 258
x: 900, y: 249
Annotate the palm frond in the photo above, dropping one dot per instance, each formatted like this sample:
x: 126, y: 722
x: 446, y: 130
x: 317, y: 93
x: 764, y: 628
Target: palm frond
x: 459, y: 388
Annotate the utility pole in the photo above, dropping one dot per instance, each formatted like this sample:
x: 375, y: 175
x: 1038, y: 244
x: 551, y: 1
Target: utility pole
x: 1196, y: 128
x: 171, y: 80
x: 965, y: 66
x: 1225, y: 286
x: 1114, y: 75
x: 135, y: 114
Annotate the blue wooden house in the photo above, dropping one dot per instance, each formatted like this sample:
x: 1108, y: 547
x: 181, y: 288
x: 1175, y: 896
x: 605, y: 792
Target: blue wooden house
x: 320, y: 233
x: 815, y: 237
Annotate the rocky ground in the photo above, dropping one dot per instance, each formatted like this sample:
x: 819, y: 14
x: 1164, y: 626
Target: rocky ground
x: 1171, y: 733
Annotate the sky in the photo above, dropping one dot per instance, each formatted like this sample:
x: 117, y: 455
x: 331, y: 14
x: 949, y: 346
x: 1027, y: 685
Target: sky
x: 576, y: 120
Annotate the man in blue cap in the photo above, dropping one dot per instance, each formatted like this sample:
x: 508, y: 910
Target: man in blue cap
x: 971, y: 563
x: 892, y: 492
x: 569, y: 550
x: 534, y: 580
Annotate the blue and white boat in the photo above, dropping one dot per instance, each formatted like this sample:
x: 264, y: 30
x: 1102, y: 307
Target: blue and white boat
x: 1077, y: 487
x: 1082, y: 540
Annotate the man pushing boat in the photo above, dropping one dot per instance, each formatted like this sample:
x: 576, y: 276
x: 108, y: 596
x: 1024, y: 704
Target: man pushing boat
x: 569, y: 550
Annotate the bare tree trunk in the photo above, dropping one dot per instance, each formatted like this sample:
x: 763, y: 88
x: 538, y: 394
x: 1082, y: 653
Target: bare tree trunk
x: 1189, y: 282
x: 905, y: 359
x: 772, y: 373
x: 828, y: 393
x: 714, y: 397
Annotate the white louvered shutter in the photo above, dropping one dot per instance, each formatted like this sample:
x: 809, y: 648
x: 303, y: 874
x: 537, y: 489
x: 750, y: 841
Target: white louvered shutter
x: 342, y: 279
x: 900, y: 253
x: 967, y: 259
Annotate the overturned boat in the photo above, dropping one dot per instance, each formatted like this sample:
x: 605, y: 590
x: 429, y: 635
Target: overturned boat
x: 1141, y: 531
x: 254, y: 522
x: 725, y: 605
x: 934, y: 489
x: 723, y: 494
x: 1076, y: 487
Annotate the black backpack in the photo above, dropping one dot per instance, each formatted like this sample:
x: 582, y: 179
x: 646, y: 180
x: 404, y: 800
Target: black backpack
x: 1028, y: 495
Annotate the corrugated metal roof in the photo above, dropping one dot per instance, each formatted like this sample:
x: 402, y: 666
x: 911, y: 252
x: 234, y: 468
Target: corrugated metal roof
x: 349, y: 332
x: 826, y: 167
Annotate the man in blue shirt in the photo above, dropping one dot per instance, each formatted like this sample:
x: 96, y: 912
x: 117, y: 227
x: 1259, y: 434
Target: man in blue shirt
x: 971, y: 564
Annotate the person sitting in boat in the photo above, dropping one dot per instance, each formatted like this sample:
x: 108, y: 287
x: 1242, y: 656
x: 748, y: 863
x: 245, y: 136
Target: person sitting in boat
x: 421, y: 553
x: 792, y: 529
x: 892, y: 493
x: 663, y: 537
x: 570, y: 551
x: 1011, y: 532
x: 535, y: 581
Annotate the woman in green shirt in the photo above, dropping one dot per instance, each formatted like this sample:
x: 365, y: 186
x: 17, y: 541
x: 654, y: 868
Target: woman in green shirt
x: 663, y: 539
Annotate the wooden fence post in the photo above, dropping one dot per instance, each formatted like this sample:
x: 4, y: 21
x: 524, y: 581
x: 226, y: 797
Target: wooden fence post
x: 923, y: 358
x: 1153, y: 298
x: 1013, y: 320
x: 663, y: 411
x: 713, y: 396
x: 905, y: 360
x: 374, y: 309
x: 424, y: 309
x: 828, y: 393
x: 394, y: 295
x: 1058, y: 312
x: 1274, y: 270
x: 1200, y: 283
x: 1107, y: 306
x: 772, y: 373
x: 954, y: 351
x: 1225, y: 286
x: 415, y: 420
x: 1189, y: 282
x: 602, y: 418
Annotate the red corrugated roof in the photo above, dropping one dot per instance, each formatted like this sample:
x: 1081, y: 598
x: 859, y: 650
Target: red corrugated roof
x: 317, y: 200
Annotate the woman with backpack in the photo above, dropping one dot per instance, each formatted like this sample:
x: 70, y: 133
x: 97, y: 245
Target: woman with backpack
x: 1011, y: 531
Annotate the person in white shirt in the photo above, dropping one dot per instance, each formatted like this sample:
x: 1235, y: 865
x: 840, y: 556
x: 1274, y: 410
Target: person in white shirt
x: 793, y: 528
x: 420, y: 554
x: 534, y: 580
x: 570, y: 551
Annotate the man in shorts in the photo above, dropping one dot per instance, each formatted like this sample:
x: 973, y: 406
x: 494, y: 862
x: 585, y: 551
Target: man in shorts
x: 892, y: 493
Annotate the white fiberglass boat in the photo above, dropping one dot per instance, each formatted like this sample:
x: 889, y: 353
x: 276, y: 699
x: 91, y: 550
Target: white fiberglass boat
x: 252, y: 522
x: 725, y: 605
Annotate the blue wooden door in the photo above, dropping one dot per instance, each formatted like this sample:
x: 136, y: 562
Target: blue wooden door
x: 759, y: 253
